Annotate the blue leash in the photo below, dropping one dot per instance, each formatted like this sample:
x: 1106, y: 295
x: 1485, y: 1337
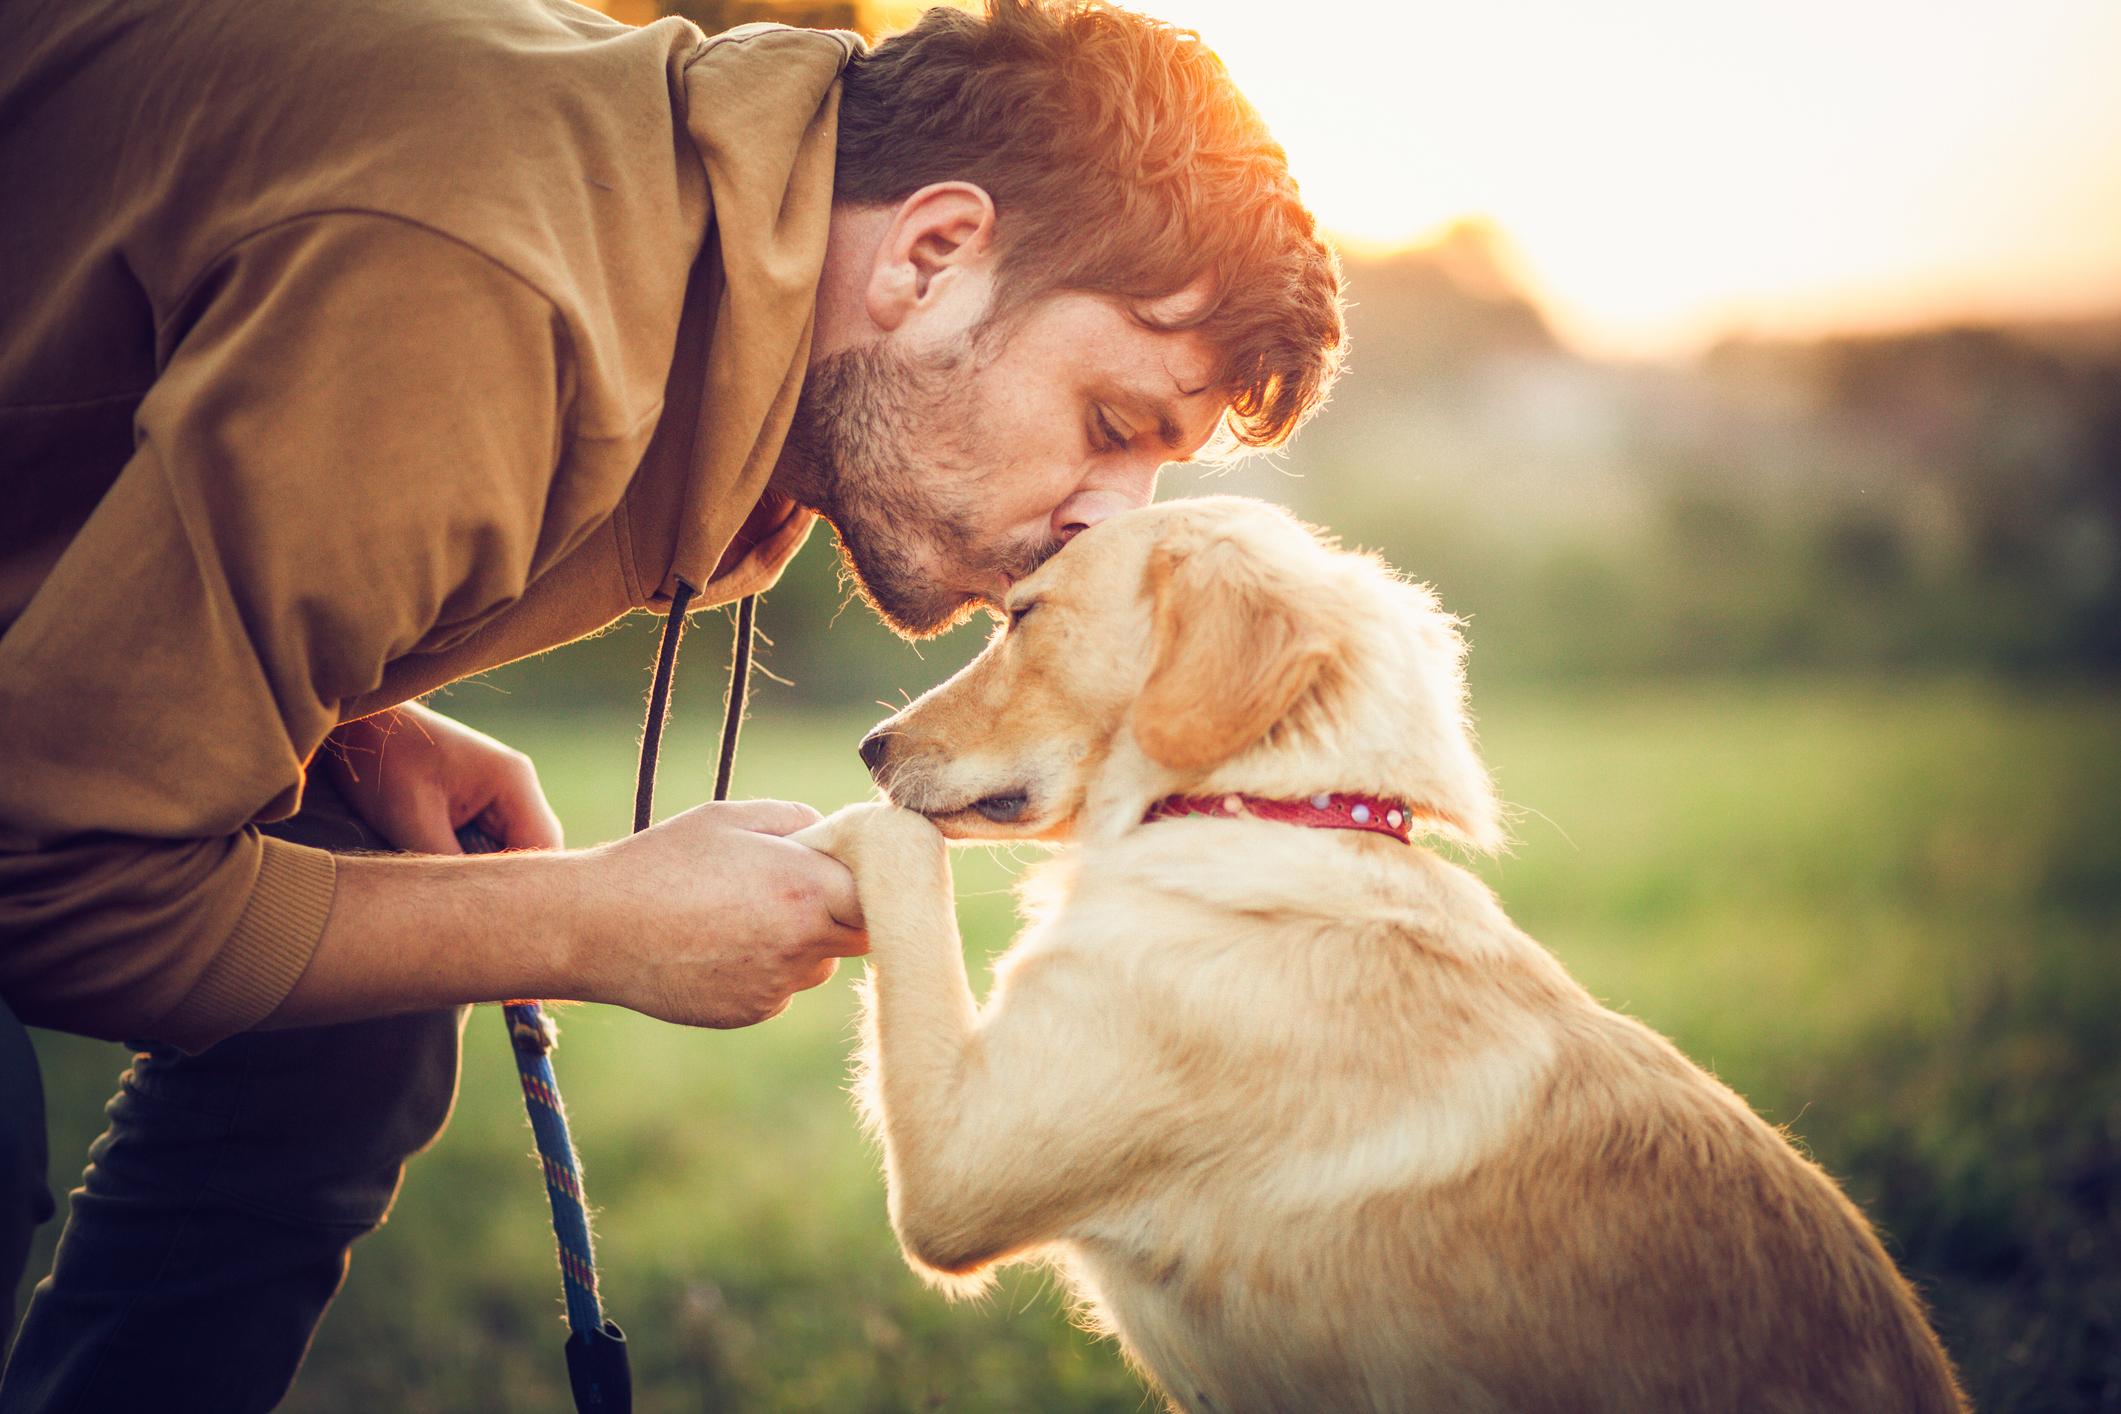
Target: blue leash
x: 533, y: 1035
x: 597, y: 1368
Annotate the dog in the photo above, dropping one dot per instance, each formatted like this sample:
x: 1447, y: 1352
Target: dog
x: 1305, y: 1120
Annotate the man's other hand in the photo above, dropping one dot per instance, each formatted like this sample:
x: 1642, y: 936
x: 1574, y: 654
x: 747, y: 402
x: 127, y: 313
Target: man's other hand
x: 417, y: 778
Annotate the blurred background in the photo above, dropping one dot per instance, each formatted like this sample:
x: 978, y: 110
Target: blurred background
x: 1749, y: 377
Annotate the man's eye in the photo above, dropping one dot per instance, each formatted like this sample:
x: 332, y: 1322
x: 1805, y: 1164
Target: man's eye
x: 1021, y: 612
x: 1109, y: 439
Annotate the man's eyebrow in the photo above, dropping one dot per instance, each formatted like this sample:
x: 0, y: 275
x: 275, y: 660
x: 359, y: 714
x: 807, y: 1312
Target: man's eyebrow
x: 1159, y: 412
x: 1167, y: 428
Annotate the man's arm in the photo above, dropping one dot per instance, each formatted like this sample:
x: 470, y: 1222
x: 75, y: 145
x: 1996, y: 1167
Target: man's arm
x: 709, y: 919
x: 353, y: 443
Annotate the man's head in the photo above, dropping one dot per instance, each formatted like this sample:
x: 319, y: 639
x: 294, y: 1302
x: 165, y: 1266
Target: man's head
x: 1064, y: 252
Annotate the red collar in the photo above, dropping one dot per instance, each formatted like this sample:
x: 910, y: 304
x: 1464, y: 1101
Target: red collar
x: 1331, y: 810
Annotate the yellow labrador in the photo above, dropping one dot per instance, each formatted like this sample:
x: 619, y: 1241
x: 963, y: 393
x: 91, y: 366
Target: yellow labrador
x: 1305, y: 1120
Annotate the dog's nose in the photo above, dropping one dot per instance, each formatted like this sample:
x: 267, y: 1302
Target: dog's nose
x: 873, y: 748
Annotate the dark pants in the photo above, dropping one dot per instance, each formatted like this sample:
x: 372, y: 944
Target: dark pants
x: 212, y: 1226
x: 25, y: 1198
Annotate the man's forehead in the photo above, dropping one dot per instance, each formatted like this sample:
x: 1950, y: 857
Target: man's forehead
x: 1188, y: 358
x: 1172, y: 371
x: 1113, y: 349
x: 1179, y: 395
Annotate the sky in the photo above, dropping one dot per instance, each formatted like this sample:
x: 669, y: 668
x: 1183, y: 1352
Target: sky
x: 1673, y: 170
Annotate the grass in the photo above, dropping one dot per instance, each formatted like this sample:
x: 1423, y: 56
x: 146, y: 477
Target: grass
x: 1885, y: 912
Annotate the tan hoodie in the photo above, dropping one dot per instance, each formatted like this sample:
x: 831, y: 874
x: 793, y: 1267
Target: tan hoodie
x: 348, y: 347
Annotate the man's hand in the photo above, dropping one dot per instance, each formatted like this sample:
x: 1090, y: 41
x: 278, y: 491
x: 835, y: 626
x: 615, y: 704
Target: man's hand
x: 417, y: 778
x: 900, y: 863
x: 716, y: 918
x: 712, y: 918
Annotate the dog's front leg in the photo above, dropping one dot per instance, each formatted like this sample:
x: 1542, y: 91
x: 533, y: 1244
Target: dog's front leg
x: 1000, y: 1128
x: 920, y: 1020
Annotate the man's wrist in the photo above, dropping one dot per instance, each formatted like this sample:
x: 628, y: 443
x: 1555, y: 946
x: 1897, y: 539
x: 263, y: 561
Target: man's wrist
x: 575, y: 881
x: 411, y: 932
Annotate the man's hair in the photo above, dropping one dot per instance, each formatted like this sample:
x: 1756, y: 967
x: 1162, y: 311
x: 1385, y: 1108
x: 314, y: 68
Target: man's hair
x: 1122, y: 161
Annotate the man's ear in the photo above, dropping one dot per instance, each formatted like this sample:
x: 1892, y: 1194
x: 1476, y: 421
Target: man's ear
x: 937, y: 235
x: 1232, y: 652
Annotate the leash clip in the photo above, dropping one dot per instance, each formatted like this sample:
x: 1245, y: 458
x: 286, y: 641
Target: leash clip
x: 534, y: 1034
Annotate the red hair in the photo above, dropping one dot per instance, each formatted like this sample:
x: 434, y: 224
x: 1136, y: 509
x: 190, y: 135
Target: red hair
x: 1122, y: 160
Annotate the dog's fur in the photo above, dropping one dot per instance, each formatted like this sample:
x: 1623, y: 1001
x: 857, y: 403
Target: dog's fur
x: 1307, y: 1121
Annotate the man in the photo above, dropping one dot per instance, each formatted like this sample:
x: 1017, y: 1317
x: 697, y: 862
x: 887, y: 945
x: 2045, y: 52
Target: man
x: 352, y: 347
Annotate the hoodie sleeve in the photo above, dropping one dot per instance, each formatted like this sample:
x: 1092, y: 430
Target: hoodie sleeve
x: 348, y: 453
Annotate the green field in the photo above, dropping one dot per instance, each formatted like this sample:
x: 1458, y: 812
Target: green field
x: 1885, y: 912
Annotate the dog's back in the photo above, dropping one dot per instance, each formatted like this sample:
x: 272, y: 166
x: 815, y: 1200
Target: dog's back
x: 1430, y: 1172
x: 1646, y: 1242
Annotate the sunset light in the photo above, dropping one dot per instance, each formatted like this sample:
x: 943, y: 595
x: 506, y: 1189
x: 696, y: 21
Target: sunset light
x: 1670, y: 171
x: 1384, y: 704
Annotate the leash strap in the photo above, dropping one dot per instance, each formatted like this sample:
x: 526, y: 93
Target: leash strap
x: 598, y: 1372
x: 597, y: 1368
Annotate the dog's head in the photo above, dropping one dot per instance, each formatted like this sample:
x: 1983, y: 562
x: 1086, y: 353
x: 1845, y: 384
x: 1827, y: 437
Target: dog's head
x: 1199, y: 646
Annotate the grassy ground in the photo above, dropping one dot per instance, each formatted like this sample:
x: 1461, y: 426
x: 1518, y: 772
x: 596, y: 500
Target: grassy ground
x: 1886, y: 913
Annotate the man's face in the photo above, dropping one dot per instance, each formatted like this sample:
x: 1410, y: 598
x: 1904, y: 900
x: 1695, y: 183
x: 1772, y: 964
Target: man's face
x: 951, y: 470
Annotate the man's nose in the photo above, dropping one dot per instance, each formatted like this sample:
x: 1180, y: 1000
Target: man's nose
x: 874, y: 748
x: 1086, y: 508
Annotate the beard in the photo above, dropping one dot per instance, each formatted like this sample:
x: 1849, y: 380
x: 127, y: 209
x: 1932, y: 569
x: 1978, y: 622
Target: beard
x: 855, y: 451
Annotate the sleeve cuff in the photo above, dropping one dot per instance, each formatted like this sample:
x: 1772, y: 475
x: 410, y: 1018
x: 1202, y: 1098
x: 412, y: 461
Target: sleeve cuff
x: 267, y: 952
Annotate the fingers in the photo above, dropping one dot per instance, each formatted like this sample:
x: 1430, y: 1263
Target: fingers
x: 843, y: 942
x: 727, y: 896
x: 418, y: 820
x: 524, y: 819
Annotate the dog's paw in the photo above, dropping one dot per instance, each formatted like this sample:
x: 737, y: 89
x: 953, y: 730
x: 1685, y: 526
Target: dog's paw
x: 875, y: 839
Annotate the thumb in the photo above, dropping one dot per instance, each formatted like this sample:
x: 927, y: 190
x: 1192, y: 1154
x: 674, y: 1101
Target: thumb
x: 766, y: 817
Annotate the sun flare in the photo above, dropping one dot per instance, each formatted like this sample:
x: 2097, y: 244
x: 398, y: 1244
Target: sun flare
x: 1669, y: 170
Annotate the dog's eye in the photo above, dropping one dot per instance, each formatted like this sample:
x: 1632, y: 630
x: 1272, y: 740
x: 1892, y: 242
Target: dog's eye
x: 1021, y: 612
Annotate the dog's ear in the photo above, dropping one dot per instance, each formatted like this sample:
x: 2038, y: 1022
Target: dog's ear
x: 1445, y: 778
x: 1234, y: 647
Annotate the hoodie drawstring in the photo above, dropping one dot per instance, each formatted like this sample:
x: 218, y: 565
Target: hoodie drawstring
x: 666, y: 660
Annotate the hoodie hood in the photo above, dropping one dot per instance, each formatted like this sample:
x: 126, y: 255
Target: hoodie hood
x: 351, y: 333
x: 761, y: 106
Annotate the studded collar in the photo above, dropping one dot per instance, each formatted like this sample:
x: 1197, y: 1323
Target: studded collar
x: 1328, y: 810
